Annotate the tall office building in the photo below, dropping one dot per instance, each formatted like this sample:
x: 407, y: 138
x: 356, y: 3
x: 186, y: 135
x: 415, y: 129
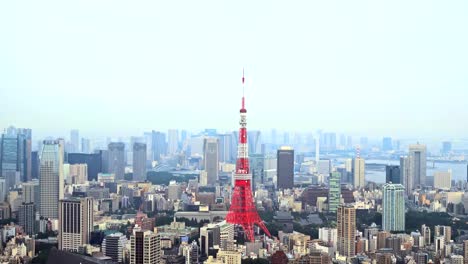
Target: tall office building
x: 35, y: 165
x: 139, y: 161
x: 225, y: 148
x: 85, y: 145
x: 113, y: 246
x: 387, y: 144
x: 465, y: 250
x: 443, y: 179
x: 15, y: 153
x: 285, y: 168
x: 257, y: 167
x: 255, y: 143
x: 405, y: 174
x: 51, y: 180
x: 346, y: 225
x: 75, y: 140
x: 145, y: 248
x: 3, y: 189
x: 31, y: 192
x: 172, y: 141
x: 159, y: 145
x: 334, y: 194
x: 417, y: 152
x: 27, y: 218
x: 393, y: 174
x: 210, y: 160
x: 117, y: 159
x: 76, y: 222
x: 94, y: 162
x: 393, y: 203
x: 445, y: 231
x: 426, y: 233
x: 359, y: 167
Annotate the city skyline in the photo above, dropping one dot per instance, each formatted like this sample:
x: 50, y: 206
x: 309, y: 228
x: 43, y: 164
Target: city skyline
x: 350, y: 69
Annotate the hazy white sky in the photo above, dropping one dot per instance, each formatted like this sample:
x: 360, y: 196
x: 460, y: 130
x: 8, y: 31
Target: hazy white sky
x: 394, y: 68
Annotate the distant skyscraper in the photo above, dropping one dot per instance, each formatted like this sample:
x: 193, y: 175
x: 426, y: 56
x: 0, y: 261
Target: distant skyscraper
x: 93, y: 161
x: 346, y: 225
x: 27, y: 218
x: 173, y: 141
x: 257, y: 167
x: 145, y: 248
x: 443, y: 179
x: 364, y: 142
x: 51, y: 181
x: 15, y: 153
x: 405, y: 173
x: 387, y: 144
x: 254, y: 142
x: 446, y: 147
x: 359, y: 166
x: 139, y: 161
x: 328, y: 142
x: 76, y: 222
x: 225, y: 148
x: 334, y: 194
x: 285, y: 168
x: 417, y: 153
x: 117, y: 159
x: 113, y: 246
x: 75, y: 141
x: 393, y: 174
x: 35, y: 165
x: 210, y: 159
x: 393, y: 203
x: 85, y: 145
x: 159, y: 145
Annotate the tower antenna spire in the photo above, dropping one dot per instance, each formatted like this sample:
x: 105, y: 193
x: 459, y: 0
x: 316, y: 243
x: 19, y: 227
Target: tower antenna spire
x: 243, y: 89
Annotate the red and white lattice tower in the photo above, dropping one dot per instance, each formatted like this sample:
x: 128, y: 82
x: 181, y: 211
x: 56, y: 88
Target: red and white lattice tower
x: 243, y: 211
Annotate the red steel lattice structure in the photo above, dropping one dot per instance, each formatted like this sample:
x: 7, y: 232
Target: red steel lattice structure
x: 243, y: 211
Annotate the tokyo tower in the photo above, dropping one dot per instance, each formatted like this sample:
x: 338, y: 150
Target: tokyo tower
x: 243, y: 211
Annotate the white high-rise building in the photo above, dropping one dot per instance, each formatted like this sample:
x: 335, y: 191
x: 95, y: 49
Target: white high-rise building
x: 359, y: 166
x: 76, y: 222
x: 51, y: 181
x: 443, y: 179
x: 417, y: 152
x: 393, y: 203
